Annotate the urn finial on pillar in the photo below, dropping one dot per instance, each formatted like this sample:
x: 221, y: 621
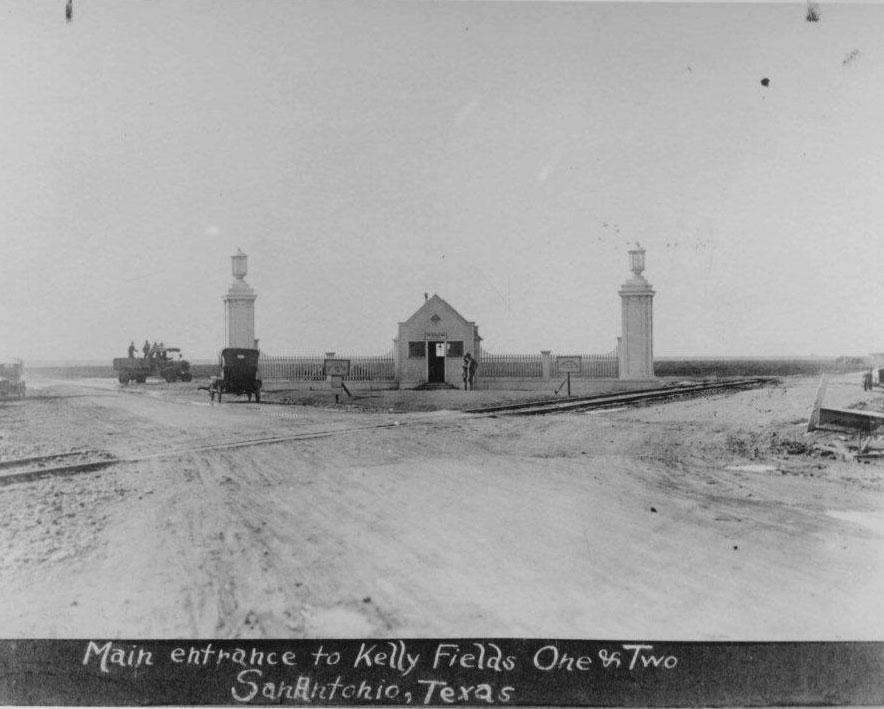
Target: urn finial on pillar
x: 239, y: 264
x: 239, y: 303
x: 637, y: 343
x: 637, y: 260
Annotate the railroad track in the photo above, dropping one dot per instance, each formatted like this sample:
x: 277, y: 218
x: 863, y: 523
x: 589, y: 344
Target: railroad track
x: 33, y: 468
x: 605, y: 401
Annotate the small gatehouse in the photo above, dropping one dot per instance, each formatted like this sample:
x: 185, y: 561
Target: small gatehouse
x: 431, y: 345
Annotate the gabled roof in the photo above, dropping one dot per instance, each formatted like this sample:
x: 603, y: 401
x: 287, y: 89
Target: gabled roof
x: 441, y: 307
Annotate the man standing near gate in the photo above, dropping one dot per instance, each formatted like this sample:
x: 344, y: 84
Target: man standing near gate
x: 470, y: 365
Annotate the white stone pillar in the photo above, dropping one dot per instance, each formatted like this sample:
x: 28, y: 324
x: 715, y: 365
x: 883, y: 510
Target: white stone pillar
x: 636, y: 299
x: 239, y: 304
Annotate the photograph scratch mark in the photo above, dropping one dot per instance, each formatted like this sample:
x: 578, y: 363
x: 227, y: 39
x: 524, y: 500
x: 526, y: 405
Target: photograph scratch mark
x: 851, y: 57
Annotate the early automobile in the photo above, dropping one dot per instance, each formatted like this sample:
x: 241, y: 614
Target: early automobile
x: 158, y: 362
x: 12, y: 383
x: 239, y: 374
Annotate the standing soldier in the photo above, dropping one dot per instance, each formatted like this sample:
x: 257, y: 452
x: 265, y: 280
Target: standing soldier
x: 146, y: 349
x: 132, y: 350
x: 466, y: 370
x: 867, y: 380
x: 474, y: 365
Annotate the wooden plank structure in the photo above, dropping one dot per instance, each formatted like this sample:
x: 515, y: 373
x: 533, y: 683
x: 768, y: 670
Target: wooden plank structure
x: 864, y: 422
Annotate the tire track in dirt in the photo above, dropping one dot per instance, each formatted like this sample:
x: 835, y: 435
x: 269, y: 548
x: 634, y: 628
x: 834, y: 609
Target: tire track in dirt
x: 257, y: 568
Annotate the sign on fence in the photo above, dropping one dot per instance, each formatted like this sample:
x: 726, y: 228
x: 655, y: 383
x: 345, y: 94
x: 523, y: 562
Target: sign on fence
x: 568, y: 365
x: 336, y: 367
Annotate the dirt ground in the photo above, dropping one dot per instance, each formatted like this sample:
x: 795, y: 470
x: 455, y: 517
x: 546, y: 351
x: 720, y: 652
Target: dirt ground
x: 708, y: 518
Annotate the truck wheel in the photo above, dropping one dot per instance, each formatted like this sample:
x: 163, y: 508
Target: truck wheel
x: 169, y: 375
x: 123, y: 378
x: 186, y: 377
x: 140, y: 379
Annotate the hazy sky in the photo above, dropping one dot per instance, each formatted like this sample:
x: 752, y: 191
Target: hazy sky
x: 503, y: 155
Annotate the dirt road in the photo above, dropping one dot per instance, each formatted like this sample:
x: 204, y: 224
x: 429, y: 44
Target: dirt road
x: 689, y: 520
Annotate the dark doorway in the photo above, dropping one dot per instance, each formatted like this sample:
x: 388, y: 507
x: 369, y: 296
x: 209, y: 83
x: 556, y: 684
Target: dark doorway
x: 436, y: 362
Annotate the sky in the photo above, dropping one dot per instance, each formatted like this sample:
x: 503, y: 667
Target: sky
x: 504, y: 155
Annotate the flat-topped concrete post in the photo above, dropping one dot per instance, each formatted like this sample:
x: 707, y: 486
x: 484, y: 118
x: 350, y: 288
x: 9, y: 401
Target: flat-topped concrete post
x: 637, y: 344
x: 239, y: 304
x: 546, y: 363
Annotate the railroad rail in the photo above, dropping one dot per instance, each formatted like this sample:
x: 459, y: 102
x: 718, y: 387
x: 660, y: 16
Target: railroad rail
x: 42, y: 459
x: 33, y: 468
x: 605, y: 401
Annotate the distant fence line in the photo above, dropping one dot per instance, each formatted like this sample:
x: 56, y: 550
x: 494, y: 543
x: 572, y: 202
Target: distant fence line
x: 669, y: 367
x: 510, y: 365
x: 308, y: 368
x: 543, y: 365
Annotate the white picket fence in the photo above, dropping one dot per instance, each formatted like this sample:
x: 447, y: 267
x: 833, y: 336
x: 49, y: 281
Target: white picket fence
x: 308, y: 368
x: 493, y: 366
x: 381, y: 368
